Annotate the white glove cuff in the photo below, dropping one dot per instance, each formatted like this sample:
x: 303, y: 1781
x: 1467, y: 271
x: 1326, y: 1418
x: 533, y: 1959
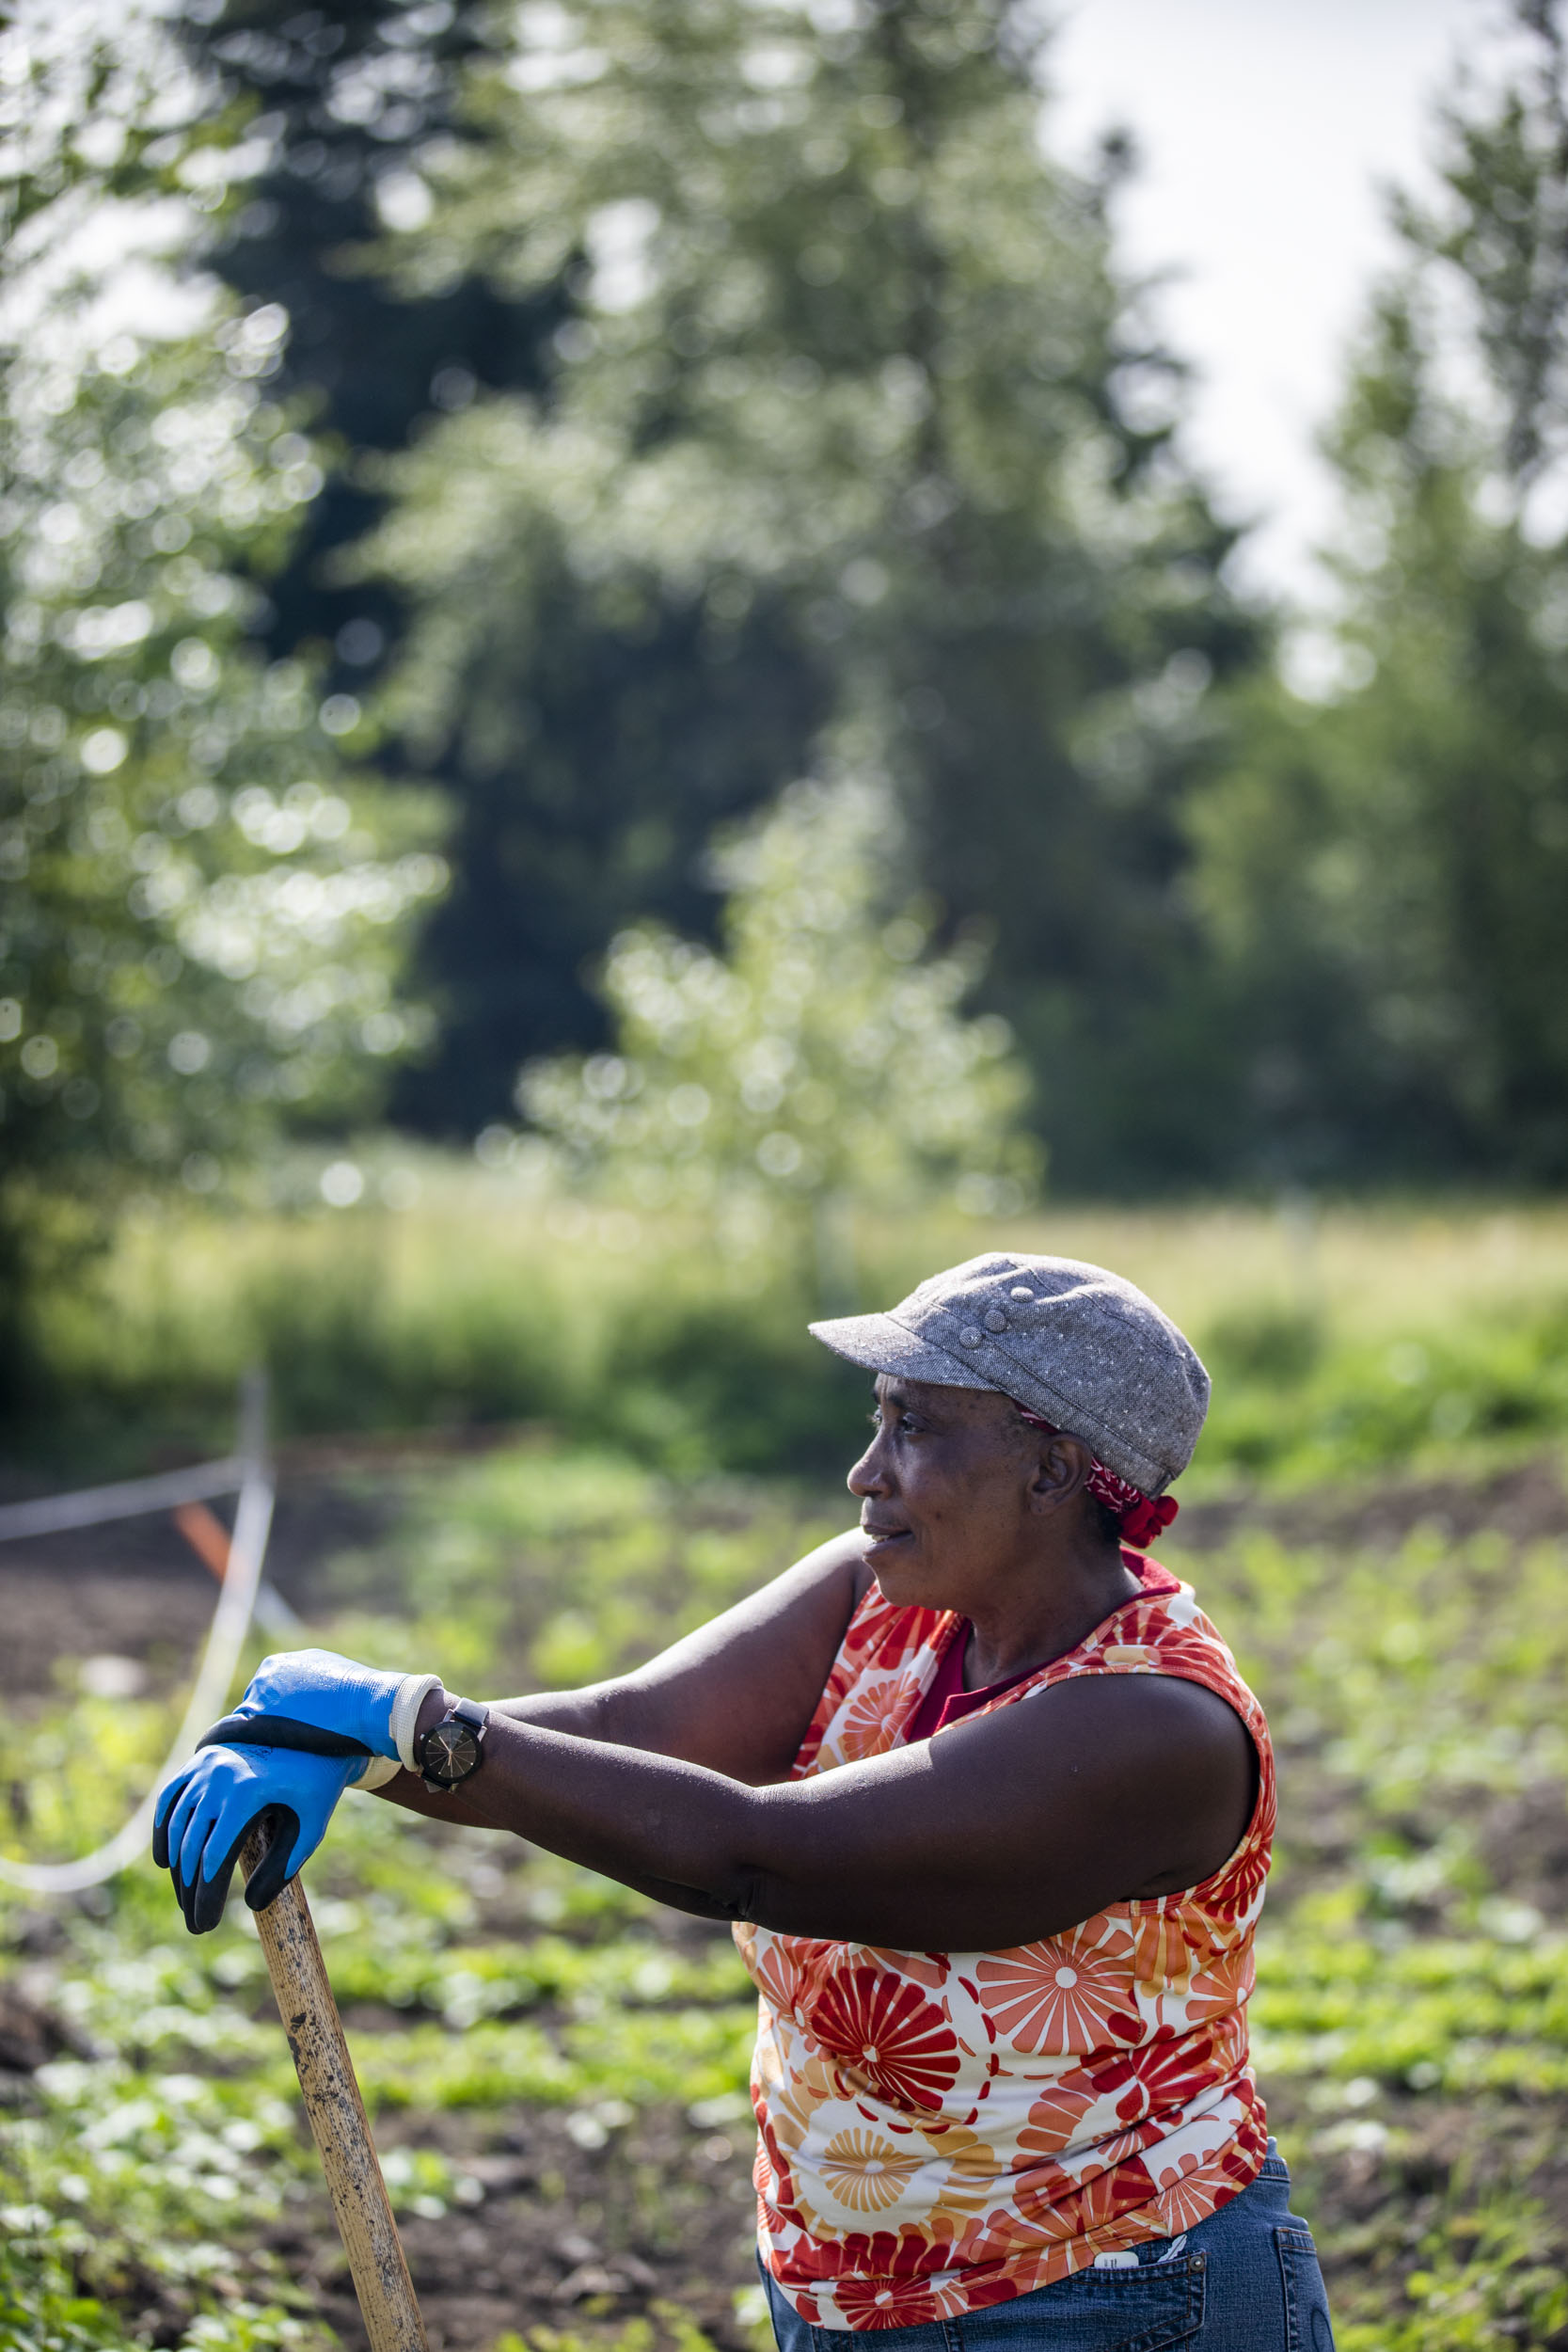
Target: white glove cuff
x: 413, y: 1691
x: 378, y: 1771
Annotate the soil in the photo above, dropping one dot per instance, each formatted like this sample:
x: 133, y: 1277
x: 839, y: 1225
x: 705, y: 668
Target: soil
x: 1523, y: 1503
x: 134, y: 1588
x: 566, y: 2235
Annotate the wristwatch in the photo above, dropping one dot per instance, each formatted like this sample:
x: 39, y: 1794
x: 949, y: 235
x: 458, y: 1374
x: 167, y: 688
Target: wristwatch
x: 451, y: 1751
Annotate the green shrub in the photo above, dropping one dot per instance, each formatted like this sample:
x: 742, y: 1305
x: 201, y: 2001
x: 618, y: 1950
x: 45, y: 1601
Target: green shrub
x: 1276, y: 1346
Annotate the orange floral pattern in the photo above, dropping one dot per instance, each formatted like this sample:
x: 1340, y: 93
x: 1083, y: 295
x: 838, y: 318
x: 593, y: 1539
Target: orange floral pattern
x: 1059, y: 1994
x: 940, y: 2130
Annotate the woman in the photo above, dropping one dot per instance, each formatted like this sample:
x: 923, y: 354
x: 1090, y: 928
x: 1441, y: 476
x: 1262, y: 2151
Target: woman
x: 990, y: 1808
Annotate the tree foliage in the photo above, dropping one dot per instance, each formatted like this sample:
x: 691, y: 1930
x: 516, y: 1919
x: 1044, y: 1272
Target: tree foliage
x: 1386, y: 875
x: 203, y: 892
x: 854, y: 417
x: 734, y: 378
x: 337, y: 100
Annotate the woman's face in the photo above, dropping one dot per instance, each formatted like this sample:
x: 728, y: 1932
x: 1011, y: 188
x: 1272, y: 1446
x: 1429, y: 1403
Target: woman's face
x: 951, y: 1493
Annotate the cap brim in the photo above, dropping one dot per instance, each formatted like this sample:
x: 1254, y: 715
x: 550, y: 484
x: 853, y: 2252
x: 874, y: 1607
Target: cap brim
x: 883, y: 1345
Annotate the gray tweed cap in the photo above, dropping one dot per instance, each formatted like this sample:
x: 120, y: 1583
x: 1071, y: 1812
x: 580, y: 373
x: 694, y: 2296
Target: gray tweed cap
x: 1074, y: 1343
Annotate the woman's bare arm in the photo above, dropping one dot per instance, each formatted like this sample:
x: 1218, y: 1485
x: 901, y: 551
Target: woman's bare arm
x: 737, y: 1695
x: 1008, y: 1827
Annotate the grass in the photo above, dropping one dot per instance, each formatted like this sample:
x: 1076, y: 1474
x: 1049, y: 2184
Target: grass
x: 1342, y: 1337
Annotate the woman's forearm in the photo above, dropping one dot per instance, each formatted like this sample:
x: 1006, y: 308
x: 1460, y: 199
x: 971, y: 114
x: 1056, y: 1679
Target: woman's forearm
x: 602, y: 1710
x: 671, y: 1829
x: 457, y: 1812
x: 998, y: 1832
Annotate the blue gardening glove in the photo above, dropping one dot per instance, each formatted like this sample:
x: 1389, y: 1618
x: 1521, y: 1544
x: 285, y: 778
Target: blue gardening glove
x: 209, y: 1808
x: 312, y: 1699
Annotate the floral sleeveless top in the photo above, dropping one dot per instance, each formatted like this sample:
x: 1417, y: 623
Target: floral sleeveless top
x: 940, y: 2130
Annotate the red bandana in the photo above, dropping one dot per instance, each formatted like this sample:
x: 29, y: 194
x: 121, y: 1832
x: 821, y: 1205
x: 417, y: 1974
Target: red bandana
x: 1143, y: 1517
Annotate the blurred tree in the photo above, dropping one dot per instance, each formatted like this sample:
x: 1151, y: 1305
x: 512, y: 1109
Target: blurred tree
x: 341, y: 96
x: 819, y: 1062
x: 1385, y: 874
x: 202, y: 894
x: 855, y: 416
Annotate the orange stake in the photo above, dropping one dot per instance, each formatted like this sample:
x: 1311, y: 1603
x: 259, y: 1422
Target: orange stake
x: 207, y: 1536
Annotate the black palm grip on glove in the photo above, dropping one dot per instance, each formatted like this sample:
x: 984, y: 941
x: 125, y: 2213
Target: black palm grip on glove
x: 280, y: 1731
x: 202, y: 1902
x: 280, y: 1826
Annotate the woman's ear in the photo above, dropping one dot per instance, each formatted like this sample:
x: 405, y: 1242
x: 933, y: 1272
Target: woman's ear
x: 1065, y: 1464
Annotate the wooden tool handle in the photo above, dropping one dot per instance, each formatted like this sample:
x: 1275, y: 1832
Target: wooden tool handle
x: 339, y: 2123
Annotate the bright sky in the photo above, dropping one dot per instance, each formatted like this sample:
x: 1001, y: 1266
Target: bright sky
x: 1266, y: 129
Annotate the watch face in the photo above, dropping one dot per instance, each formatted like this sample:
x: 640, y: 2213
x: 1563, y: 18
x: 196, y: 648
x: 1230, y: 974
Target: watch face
x: 448, y: 1752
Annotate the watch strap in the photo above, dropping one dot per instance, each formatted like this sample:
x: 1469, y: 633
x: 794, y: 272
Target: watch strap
x: 476, y: 1717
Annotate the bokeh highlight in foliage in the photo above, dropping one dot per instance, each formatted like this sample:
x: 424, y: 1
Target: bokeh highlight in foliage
x: 204, y: 889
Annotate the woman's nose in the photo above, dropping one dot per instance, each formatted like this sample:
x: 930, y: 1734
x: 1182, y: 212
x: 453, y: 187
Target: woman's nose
x: 867, y: 1477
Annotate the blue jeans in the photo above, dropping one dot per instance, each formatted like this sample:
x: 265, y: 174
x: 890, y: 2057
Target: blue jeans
x: 1245, y: 2281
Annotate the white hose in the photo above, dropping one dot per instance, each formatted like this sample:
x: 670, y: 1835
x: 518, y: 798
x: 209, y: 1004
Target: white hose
x: 90, y: 1506
x: 225, y: 1641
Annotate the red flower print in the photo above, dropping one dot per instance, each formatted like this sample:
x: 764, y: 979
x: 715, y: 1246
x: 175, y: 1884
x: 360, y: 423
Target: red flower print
x: 885, y: 2302
x: 1055, y: 2115
x: 1037, y: 2106
x: 1105, y: 2201
x: 1235, y: 1895
x: 787, y: 1969
x: 1064, y: 1994
x: 882, y: 1634
x: 881, y: 1638
x: 902, y: 1631
x: 931, y: 1969
x: 773, y: 1969
x: 1158, y: 2079
x: 887, y: 2033
x: 1040, y: 2193
x: 900, y: 2258
x: 1122, y: 2145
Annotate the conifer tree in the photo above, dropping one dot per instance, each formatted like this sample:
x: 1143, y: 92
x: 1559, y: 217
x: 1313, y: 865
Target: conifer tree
x: 338, y: 99
x: 1385, y: 874
x: 855, y: 416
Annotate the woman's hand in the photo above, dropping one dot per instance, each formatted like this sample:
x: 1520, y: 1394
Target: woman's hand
x: 208, y: 1810
x: 357, y: 1710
